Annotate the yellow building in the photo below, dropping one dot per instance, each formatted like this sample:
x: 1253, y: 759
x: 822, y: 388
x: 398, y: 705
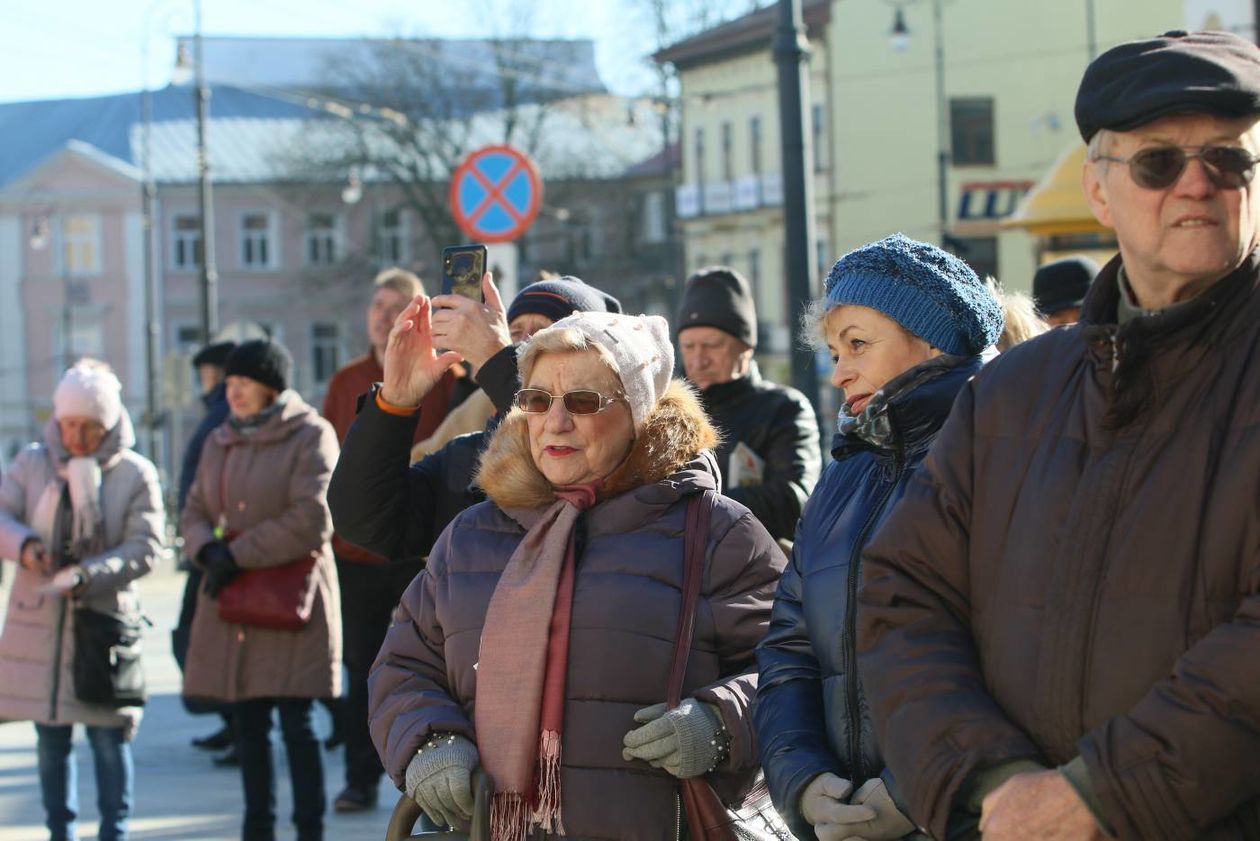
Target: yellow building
x: 1010, y: 74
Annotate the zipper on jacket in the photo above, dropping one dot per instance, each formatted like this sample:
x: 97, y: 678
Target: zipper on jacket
x: 677, y: 816
x: 852, y: 707
x: 56, y: 663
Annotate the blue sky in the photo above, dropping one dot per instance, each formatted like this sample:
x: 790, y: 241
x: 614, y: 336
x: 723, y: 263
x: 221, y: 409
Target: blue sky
x: 63, y: 48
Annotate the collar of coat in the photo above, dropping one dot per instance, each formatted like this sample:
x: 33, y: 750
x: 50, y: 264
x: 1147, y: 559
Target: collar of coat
x: 673, y: 435
x: 279, y: 426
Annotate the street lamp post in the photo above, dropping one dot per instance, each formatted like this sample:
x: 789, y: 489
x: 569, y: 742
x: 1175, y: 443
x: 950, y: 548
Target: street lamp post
x: 791, y: 53
x: 899, y: 38
x: 209, y: 274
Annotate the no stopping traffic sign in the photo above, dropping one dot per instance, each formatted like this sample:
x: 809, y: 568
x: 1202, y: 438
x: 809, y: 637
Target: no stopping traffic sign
x: 495, y: 194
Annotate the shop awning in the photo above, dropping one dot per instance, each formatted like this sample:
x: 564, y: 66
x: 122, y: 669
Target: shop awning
x: 1057, y: 206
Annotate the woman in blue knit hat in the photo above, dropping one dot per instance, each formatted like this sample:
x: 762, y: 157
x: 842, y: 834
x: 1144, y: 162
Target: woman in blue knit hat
x: 907, y: 325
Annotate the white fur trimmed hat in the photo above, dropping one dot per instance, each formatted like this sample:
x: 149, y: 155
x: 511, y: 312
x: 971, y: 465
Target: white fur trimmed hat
x: 640, y: 349
x: 89, y: 390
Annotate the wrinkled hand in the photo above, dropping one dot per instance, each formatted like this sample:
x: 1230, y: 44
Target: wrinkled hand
x: 219, y: 565
x: 1040, y: 806
x: 889, y: 823
x: 474, y: 330
x: 412, y: 367
x: 683, y: 741
x: 439, y: 779
x: 35, y: 557
x: 823, y: 806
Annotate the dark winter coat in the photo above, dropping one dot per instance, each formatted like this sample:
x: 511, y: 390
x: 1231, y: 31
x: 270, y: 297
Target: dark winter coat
x: 625, y: 610
x: 779, y: 425
x: 811, y: 714
x: 1075, y: 570
x: 215, y: 401
x: 381, y: 502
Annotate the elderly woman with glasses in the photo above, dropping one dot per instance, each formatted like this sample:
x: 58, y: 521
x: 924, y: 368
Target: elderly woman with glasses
x: 537, y: 644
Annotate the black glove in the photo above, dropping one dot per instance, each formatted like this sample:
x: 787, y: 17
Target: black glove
x: 219, y: 565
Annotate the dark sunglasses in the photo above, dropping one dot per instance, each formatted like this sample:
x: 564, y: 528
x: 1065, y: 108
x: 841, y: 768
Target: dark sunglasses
x: 1159, y: 167
x: 535, y: 401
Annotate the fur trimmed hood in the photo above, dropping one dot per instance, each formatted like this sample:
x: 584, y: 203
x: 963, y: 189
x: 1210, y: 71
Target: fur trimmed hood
x: 674, y: 434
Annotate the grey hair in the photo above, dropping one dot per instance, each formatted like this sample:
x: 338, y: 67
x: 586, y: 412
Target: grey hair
x: 563, y: 340
x: 814, y: 324
x: 1100, y: 145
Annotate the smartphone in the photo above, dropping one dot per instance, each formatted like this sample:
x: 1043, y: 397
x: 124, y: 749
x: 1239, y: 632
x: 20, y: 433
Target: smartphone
x: 462, y: 268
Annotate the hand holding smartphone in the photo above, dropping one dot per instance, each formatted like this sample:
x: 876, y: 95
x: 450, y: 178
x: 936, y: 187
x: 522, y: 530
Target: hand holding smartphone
x: 462, y: 269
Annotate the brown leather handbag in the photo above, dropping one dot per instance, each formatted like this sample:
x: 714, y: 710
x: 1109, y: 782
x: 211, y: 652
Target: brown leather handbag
x: 708, y: 818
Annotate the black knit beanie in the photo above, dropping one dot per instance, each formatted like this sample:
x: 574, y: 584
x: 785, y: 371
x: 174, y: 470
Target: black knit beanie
x: 559, y: 297
x: 215, y: 354
x: 719, y: 297
x: 262, y: 360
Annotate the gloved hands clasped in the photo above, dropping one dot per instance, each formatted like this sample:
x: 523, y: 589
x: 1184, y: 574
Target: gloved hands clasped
x: 686, y: 741
x: 868, y: 815
x: 219, y: 565
x: 439, y: 779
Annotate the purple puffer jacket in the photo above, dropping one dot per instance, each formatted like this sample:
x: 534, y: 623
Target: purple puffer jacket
x: 626, y: 604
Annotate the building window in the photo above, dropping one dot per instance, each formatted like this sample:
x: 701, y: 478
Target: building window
x: 822, y: 252
x: 981, y: 253
x: 188, y: 338
x: 256, y: 248
x: 321, y: 239
x: 754, y: 274
x: 754, y: 145
x: 818, y: 129
x: 654, y: 217
x: 81, y: 244
x: 728, y: 156
x: 971, y: 131
x: 700, y: 155
x: 186, y: 242
x: 325, y: 350
x: 393, y: 237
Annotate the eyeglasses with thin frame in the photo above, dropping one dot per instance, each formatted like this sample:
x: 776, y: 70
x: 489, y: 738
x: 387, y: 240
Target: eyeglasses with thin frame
x: 1159, y: 167
x: 582, y: 401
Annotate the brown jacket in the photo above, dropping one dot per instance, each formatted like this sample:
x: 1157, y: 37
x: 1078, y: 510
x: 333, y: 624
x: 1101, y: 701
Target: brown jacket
x: 270, y: 487
x: 625, y: 609
x: 1076, y: 570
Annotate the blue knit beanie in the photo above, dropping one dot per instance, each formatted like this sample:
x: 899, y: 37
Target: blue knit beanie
x: 929, y: 292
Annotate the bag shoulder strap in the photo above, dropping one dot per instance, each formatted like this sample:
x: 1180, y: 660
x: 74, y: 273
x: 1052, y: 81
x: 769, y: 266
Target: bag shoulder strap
x: 695, y: 542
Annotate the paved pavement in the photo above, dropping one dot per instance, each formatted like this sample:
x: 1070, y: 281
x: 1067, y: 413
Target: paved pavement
x: 180, y: 794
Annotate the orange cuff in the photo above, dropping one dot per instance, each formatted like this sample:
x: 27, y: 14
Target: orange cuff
x: 389, y: 408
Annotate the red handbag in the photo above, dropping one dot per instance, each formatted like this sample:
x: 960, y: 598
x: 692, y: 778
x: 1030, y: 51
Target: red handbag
x: 708, y: 818
x: 280, y: 597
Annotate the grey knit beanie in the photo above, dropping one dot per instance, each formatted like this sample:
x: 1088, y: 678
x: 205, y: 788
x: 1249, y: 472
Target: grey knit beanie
x: 930, y: 292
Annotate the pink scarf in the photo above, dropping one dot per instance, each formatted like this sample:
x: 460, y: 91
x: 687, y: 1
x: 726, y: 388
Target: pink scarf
x: 521, y: 672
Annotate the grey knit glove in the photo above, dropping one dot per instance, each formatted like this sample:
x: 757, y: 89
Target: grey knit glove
x: 889, y: 823
x: 686, y: 741
x: 439, y: 778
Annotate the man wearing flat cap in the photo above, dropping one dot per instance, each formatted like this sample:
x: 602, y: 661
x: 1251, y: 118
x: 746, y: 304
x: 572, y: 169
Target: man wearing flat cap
x: 1059, y: 626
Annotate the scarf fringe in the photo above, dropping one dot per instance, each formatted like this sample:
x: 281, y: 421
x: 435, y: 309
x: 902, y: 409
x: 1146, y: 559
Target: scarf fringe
x: 509, y: 817
x: 547, y: 813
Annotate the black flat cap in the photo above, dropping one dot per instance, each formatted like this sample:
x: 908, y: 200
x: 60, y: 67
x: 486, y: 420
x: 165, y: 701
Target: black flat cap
x: 1177, y: 73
